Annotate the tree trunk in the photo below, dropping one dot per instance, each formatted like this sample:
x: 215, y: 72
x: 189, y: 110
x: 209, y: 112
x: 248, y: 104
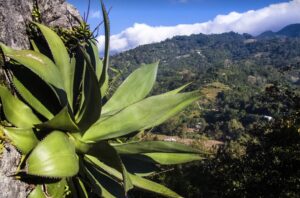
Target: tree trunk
x: 13, y: 17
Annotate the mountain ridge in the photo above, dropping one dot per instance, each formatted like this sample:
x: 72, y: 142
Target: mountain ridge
x: 231, y: 58
x: 292, y: 30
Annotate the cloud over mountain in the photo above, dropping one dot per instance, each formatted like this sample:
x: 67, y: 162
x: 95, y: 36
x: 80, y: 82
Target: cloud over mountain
x: 272, y: 17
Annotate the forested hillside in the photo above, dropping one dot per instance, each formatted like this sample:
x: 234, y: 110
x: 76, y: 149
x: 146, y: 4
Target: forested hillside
x: 246, y: 64
x: 250, y: 105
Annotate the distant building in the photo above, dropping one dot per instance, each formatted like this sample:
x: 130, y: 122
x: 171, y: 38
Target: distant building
x: 269, y: 118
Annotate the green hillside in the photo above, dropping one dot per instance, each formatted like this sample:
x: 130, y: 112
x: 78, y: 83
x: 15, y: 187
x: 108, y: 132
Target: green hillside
x: 245, y: 64
x: 248, y: 116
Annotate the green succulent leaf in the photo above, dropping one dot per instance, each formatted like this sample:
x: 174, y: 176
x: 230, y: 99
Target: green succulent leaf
x: 151, y: 186
x: 104, y: 86
x: 62, y: 121
x: 173, y: 158
x: 91, y: 107
x: 141, y: 167
x: 38, y: 63
x: 5, y: 49
x: 92, y: 50
x: 179, y: 89
x: 136, y: 180
x: 136, y: 87
x: 97, y: 186
x: 53, y: 157
x: 106, y: 168
x: 80, y: 66
x: 108, y: 155
x: 154, y: 147
x: 147, y: 113
x: 80, y: 188
x: 56, y: 189
x: 104, y: 75
x: 37, y: 192
x: 32, y: 100
x: 61, y: 59
x: 34, y: 46
x: 17, y: 112
x: 162, y: 152
x: 53, y: 190
x: 73, y: 190
x: 24, y: 139
x: 36, y: 92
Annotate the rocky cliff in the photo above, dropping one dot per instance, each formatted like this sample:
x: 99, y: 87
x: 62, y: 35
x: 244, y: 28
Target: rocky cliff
x: 14, y: 14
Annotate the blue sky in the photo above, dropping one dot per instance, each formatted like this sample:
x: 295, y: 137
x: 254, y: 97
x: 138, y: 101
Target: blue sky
x: 125, y: 13
x: 139, y: 22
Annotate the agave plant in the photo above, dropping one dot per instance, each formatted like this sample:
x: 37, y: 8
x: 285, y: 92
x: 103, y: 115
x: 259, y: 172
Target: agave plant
x: 69, y: 134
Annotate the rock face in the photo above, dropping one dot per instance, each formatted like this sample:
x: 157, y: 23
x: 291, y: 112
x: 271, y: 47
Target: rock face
x: 13, y: 16
x: 15, y: 13
x: 10, y: 187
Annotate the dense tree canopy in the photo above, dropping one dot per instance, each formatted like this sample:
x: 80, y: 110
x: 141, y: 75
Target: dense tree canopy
x: 256, y: 116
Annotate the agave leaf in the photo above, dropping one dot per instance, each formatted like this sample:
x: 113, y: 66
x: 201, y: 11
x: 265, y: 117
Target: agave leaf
x: 113, y: 81
x: 100, y: 165
x: 62, y: 121
x: 73, y: 191
x: 37, y: 192
x: 31, y: 99
x: 80, y: 64
x: 147, y: 113
x: 140, y: 167
x: 92, y: 50
x: 104, y: 86
x: 91, y: 108
x: 97, y: 186
x: 136, y: 87
x: 173, y: 158
x: 104, y: 75
x: 154, y: 147
x: 151, y: 186
x: 108, y: 155
x: 53, y: 157
x: 37, y: 63
x: 40, y: 65
x: 34, y: 46
x: 24, y: 139
x: 136, y: 180
x: 57, y: 189
x: 61, y: 59
x: 181, y: 100
x: 165, y: 153
x: 36, y: 92
x: 16, y: 112
x: 179, y: 89
x: 5, y: 49
x: 80, y: 188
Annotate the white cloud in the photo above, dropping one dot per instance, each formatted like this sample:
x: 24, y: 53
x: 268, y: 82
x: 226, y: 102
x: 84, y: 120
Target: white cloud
x: 95, y: 14
x: 272, y: 17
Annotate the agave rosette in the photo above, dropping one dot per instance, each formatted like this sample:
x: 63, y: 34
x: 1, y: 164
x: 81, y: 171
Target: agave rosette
x: 62, y: 125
